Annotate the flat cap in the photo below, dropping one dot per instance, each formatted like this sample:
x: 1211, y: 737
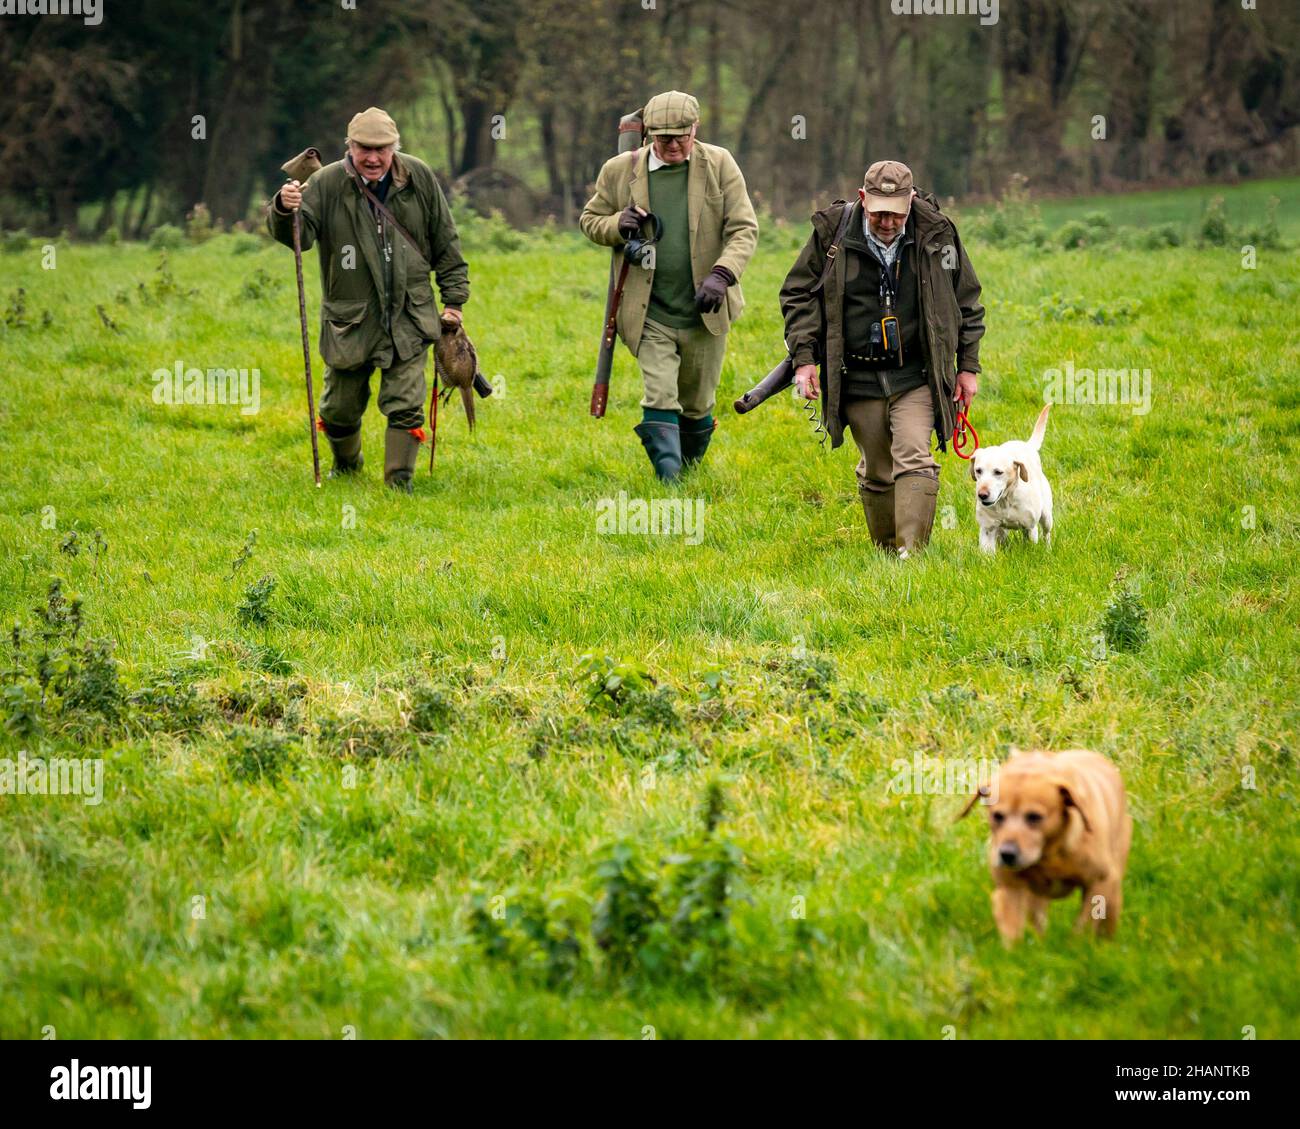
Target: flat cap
x: 372, y: 127
x: 670, y: 112
x: 888, y: 185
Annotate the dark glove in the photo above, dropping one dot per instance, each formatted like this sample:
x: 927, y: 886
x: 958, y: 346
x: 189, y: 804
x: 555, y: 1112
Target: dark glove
x: 629, y: 222
x: 713, y: 290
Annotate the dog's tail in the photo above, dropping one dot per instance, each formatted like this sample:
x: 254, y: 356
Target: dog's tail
x: 1040, y: 429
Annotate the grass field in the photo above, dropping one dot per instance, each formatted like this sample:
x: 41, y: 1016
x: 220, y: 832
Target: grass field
x: 317, y: 811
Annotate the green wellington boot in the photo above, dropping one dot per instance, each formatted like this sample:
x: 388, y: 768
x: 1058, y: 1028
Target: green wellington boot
x: 348, y: 458
x: 915, y: 496
x: 663, y: 443
x: 401, y: 448
x: 879, y: 508
x: 696, y: 434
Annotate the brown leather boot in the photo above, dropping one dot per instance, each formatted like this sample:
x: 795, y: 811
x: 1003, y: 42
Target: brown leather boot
x: 879, y: 508
x: 401, y: 449
x: 915, y: 496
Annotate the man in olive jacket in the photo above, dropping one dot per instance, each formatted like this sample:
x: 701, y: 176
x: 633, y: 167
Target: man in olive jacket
x: 896, y: 244
x: 377, y: 308
x: 677, y: 308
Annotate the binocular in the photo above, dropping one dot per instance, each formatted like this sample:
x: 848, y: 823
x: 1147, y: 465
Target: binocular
x: 640, y: 251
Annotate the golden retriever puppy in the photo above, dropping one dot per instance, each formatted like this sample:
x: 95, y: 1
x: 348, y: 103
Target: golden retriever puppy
x: 1011, y: 490
x: 1059, y: 823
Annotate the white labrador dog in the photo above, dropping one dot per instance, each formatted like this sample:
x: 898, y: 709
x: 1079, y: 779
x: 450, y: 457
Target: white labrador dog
x: 1011, y: 491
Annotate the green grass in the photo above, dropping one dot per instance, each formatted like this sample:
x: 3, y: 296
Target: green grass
x: 1183, y: 207
x: 330, y: 906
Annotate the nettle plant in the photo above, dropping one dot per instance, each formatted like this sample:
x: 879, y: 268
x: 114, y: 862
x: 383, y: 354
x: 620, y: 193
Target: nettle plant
x: 652, y: 919
x: 71, y: 545
x: 1124, y: 622
x: 57, y: 677
x: 646, y: 722
x: 804, y: 673
x: 612, y: 685
x: 255, y: 608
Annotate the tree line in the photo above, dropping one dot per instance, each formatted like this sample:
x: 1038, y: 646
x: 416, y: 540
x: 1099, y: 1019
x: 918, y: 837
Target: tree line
x: 173, y: 103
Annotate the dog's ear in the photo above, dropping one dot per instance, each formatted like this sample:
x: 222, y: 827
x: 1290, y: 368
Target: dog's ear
x: 972, y: 470
x: 981, y: 793
x: 1020, y: 470
x: 1068, y: 801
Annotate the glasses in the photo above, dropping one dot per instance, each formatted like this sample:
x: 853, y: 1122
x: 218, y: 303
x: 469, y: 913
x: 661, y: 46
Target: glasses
x: 667, y: 139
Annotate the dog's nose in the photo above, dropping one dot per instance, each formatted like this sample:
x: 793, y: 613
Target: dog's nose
x: 1008, y: 855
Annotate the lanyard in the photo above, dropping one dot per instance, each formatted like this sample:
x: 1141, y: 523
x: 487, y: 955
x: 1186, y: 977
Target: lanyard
x: 890, y: 277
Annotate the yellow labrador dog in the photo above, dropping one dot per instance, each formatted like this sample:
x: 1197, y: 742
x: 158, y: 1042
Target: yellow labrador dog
x: 1011, y: 491
x: 1059, y: 823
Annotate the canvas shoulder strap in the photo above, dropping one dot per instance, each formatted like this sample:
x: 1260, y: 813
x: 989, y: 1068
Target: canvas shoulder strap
x: 379, y: 206
x: 834, y: 248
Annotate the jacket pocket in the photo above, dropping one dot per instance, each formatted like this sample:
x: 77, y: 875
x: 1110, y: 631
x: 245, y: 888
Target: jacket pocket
x: 343, y: 338
x: 423, y: 312
x: 735, y: 302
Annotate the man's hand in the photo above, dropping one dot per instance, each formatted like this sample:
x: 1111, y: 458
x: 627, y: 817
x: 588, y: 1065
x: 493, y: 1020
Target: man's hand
x: 629, y: 221
x: 451, y: 314
x: 805, y: 379
x: 291, y: 196
x: 713, y: 290
x: 967, y: 385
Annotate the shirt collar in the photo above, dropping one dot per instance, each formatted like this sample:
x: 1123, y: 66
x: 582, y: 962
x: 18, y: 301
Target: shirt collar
x: 656, y: 163
x: 886, y: 254
x: 373, y: 185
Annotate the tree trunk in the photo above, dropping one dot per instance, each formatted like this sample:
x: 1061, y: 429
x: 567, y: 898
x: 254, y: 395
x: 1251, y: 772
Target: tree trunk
x: 107, y: 214
x: 478, y: 149
x: 144, y: 211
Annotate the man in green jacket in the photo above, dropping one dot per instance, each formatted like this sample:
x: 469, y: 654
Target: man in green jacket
x: 677, y: 307
x: 898, y: 256
x: 377, y: 308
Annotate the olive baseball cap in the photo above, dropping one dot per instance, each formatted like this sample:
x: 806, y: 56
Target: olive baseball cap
x: 670, y: 112
x: 888, y: 185
x: 372, y: 127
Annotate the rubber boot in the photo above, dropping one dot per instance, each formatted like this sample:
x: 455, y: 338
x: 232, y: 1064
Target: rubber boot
x: 663, y: 443
x: 401, y: 449
x: 696, y: 434
x: 879, y: 510
x: 915, y: 496
x: 346, y: 449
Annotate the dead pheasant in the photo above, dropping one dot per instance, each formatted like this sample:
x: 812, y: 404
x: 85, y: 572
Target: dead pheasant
x: 456, y: 362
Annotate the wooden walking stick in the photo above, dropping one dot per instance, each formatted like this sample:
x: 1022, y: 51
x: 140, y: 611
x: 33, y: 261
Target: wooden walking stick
x: 306, y: 348
x: 300, y: 169
x: 433, y: 417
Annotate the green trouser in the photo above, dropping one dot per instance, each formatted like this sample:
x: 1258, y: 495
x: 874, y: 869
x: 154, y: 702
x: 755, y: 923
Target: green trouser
x: 402, y: 389
x: 680, y: 368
